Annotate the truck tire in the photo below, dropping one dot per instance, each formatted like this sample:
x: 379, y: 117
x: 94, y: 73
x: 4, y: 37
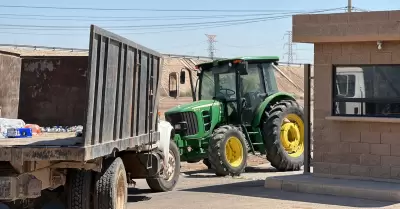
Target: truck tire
x: 79, y: 189
x: 283, y: 132
x: 111, y: 187
x: 225, y: 142
x: 169, y: 182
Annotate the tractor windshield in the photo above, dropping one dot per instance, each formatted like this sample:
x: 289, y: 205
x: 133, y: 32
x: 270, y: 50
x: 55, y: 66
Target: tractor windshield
x: 217, y: 81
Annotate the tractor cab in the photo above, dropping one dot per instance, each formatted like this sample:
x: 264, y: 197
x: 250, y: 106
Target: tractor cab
x: 240, y: 84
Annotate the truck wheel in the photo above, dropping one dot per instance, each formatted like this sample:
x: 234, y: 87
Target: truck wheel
x: 79, y: 189
x: 170, y: 175
x: 227, y: 151
x: 283, y: 132
x: 111, y: 187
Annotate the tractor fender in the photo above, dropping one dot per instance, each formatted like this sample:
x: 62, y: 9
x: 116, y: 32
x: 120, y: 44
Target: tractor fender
x: 165, y: 129
x: 271, y: 99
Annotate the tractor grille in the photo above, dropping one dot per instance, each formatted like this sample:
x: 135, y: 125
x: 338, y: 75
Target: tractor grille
x: 188, y: 117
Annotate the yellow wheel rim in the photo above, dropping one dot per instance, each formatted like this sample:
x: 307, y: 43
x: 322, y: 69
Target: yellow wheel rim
x: 234, y: 151
x: 292, y: 135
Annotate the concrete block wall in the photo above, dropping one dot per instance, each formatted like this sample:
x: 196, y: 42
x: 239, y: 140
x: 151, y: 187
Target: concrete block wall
x: 351, y: 148
x: 365, y: 149
x: 347, y: 27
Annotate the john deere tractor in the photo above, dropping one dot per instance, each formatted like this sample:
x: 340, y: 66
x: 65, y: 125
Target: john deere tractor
x: 238, y: 109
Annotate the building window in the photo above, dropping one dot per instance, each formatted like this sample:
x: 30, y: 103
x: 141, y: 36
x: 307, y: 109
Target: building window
x: 366, y: 90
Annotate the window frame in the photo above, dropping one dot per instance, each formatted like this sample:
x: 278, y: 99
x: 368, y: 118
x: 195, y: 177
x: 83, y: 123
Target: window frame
x: 347, y: 85
x: 359, y: 100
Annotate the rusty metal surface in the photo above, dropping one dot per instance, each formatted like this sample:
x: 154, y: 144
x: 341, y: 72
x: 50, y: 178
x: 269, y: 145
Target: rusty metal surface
x: 10, y: 73
x: 123, y: 86
x: 53, y: 90
x: 116, y: 100
x: 46, y: 139
x: 39, y: 153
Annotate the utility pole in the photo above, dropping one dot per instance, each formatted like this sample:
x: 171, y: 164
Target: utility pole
x: 289, y: 45
x: 349, y: 6
x: 211, y: 46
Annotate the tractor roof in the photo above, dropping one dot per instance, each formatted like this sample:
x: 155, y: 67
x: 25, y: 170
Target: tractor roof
x: 244, y: 58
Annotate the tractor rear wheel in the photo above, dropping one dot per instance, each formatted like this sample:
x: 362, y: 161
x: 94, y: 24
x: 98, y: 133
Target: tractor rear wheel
x: 283, y: 132
x: 227, y: 151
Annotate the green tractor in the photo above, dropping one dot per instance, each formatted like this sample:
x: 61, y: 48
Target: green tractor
x: 238, y: 109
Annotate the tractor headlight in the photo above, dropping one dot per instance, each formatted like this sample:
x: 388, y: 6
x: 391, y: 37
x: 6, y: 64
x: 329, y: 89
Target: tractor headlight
x: 180, y: 126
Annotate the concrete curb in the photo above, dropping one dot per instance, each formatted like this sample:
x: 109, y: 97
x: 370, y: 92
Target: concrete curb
x: 380, y: 191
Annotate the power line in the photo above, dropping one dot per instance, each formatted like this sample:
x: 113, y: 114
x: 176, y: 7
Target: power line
x: 140, y: 9
x: 188, y: 27
x: 68, y: 27
x: 211, y: 45
x: 182, y: 28
x: 359, y: 9
x: 127, y: 18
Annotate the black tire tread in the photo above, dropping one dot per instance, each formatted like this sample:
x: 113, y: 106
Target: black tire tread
x: 214, y: 151
x: 104, y: 184
x: 79, y: 189
x: 270, y: 129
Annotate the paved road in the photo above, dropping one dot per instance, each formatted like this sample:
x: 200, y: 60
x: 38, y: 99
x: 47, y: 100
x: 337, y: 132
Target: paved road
x: 202, y: 190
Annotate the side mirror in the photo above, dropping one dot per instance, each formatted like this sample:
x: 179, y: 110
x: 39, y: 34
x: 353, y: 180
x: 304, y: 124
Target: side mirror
x: 173, y: 86
x: 242, y: 68
x: 183, y: 77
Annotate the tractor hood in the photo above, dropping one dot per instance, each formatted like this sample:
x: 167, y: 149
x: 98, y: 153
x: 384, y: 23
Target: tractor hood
x: 192, y: 106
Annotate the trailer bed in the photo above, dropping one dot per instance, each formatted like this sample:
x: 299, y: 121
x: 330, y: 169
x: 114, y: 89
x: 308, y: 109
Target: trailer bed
x: 46, y: 139
x: 121, y: 106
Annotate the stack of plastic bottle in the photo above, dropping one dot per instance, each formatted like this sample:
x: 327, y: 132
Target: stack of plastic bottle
x: 6, y: 123
x: 61, y: 129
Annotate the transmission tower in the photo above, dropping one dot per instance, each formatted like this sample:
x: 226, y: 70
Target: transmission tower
x: 289, y: 44
x: 211, y: 45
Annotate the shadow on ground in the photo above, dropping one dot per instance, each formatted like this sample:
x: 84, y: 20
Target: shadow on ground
x: 139, y: 195
x: 256, y: 189
x: 209, y: 173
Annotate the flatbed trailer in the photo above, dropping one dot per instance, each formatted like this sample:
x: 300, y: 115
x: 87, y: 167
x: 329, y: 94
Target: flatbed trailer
x: 123, y: 138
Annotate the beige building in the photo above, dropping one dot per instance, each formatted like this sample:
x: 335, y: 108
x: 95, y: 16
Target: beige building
x: 357, y: 92
x: 356, y: 105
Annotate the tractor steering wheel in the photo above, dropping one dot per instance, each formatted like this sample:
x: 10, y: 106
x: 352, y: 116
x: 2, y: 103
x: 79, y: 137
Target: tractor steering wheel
x: 228, y: 90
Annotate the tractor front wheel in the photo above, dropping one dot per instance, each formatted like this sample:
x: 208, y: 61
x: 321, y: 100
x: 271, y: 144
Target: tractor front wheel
x: 283, y: 132
x: 227, y: 151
